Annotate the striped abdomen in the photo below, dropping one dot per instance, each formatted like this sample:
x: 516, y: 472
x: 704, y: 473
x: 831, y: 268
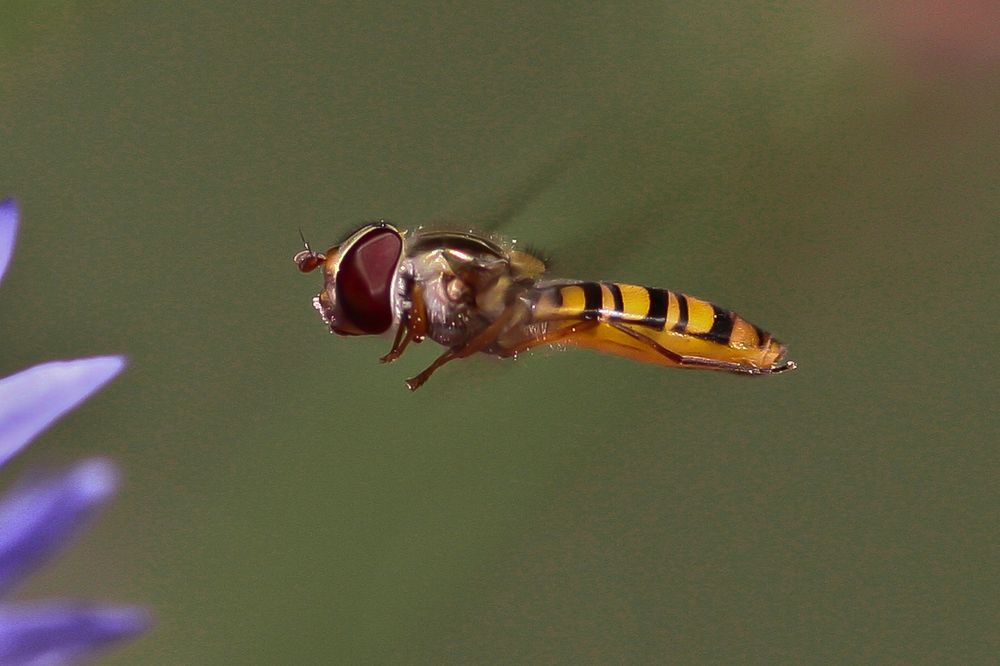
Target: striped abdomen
x: 683, y: 325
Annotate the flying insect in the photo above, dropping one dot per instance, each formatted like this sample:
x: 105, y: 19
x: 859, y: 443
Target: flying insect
x: 478, y: 294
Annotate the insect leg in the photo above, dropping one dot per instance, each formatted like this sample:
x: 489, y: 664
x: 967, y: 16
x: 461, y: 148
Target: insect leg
x: 413, y: 327
x: 697, y: 361
x: 488, y: 335
x: 399, y: 344
x: 550, y: 337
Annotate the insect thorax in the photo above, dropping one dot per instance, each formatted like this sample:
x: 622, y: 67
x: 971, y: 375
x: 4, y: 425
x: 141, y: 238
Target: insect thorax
x: 461, y: 292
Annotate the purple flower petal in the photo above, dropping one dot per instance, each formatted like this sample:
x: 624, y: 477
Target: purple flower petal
x: 61, y: 632
x: 8, y: 230
x: 40, y: 516
x: 31, y: 400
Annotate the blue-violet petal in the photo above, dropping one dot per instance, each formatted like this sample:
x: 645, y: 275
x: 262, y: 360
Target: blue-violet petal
x: 61, y: 632
x: 41, y: 515
x: 32, y: 399
x: 8, y: 229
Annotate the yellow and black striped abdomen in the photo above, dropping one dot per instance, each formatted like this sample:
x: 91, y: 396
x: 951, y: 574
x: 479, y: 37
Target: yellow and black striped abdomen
x: 682, y: 324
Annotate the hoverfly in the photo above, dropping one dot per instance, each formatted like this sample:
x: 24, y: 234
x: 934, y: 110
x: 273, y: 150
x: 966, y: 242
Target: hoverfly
x: 472, y: 294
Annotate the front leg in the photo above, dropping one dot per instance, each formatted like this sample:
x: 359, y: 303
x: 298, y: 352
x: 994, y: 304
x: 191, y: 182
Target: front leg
x: 412, y: 327
x: 399, y: 344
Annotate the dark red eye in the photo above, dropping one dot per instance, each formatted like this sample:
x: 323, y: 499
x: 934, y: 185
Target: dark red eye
x: 365, y: 279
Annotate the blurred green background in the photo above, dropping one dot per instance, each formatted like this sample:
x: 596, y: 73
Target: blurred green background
x: 830, y: 174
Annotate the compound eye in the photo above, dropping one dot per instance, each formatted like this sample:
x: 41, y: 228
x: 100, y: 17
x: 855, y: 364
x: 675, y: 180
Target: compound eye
x: 365, y: 280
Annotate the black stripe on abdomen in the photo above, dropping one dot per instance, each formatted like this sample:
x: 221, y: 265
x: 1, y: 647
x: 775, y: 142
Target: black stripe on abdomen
x: 722, y: 326
x: 592, y: 300
x: 682, y: 313
x: 656, y: 317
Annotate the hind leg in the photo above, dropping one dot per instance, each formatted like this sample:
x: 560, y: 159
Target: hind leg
x: 697, y: 361
x: 549, y: 337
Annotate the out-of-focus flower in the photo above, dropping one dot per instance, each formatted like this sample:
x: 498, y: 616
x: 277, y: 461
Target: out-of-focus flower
x: 939, y: 37
x: 39, y: 516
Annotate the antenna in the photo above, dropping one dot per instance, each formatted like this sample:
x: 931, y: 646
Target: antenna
x: 307, y: 260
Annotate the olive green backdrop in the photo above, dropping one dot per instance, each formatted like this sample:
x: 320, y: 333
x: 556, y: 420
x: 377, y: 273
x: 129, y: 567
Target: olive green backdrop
x: 288, y: 501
